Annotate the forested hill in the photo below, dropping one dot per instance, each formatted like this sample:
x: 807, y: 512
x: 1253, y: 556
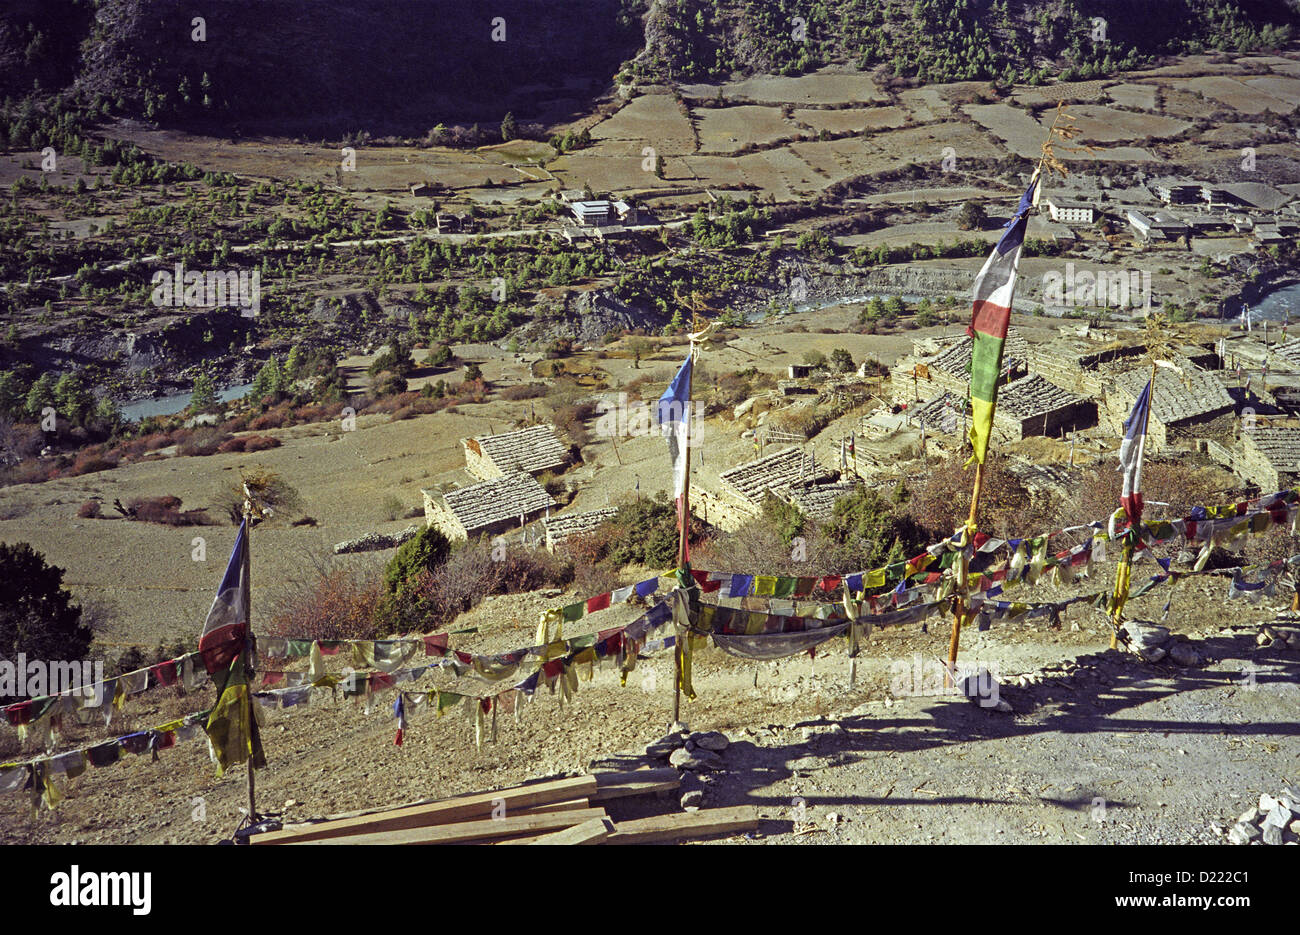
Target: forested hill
x: 950, y: 40
x: 403, y: 66
x: 330, y: 65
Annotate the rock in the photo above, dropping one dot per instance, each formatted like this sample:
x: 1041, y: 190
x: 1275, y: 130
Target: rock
x: 663, y: 748
x: 1278, y: 817
x: 1184, y: 654
x: 1272, y: 834
x: 374, y: 541
x: 1147, y: 635
x: 1248, y: 816
x: 1295, y: 827
x: 1266, y: 803
x: 1154, y: 654
x: 693, y: 799
x: 695, y: 759
x: 711, y: 740
x: 1241, y: 833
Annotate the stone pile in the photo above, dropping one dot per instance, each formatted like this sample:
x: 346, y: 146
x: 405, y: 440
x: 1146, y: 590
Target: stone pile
x: 697, y: 756
x: 375, y: 541
x: 1276, y: 820
x: 1155, y: 643
x: 1275, y: 637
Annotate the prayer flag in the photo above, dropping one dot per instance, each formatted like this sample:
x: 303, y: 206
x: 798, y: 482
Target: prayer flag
x: 1130, y: 455
x: 223, y: 633
x: 995, y: 288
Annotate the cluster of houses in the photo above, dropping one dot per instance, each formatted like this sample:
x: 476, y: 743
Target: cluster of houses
x: 1199, y: 209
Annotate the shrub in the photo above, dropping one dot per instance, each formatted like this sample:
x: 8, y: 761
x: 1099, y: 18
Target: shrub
x: 333, y: 602
x: 429, y: 549
x: 37, y: 616
x: 89, y: 510
x: 1007, y: 507
x: 204, y: 441
x: 524, y: 391
x: 165, y: 511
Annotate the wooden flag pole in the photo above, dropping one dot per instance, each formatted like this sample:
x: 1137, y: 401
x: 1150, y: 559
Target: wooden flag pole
x: 1125, y: 568
x: 248, y: 668
x: 959, y: 602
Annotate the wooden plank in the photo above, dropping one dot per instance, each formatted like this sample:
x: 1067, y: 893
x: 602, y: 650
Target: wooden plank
x: 470, y: 832
x: 462, y: 808
x: 589, y: 832
x: 704, y: 823
x: 635, y: 782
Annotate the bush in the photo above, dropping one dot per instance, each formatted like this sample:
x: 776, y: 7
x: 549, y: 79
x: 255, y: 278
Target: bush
x: 204, y: 442
x: 1007, y: 507
x: 37, y: 616
x: 89, y: 510
x: 429, y: 549
x: 524, y: 391
x: 338, y: 602
x: 165, y: 511
x: 248, y: 443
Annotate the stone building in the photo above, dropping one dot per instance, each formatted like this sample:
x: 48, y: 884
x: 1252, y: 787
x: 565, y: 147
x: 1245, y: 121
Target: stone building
x: 1033, y: 405
x: 534, y: 450
x: 1185, y: 407
x: 559, y: 528
x: 488, y: 507
x: 746, y: 485
x: 1269, y: 458
x: 921, y: 376
x: 817, y: 500
x: 1081, y: 364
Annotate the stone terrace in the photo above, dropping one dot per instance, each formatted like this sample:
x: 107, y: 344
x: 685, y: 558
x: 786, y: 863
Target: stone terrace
x: 559, y: 528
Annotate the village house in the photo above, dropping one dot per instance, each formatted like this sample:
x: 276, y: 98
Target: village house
x: 744, y: 488
x: 1034, y: 406
x: 1268, y: 457
x: 1179, y: 193
x: 533, y: 450
x: 1158, y: 226
x: 488, y: 507
x: 921, y: 375
x: 602, y: 212
x: 1185, y: 406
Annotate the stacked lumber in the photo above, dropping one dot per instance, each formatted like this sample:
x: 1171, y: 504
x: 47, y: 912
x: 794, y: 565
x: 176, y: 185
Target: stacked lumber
x: 560, y: 811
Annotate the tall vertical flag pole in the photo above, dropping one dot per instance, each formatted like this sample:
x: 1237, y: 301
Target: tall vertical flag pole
x: 248, y: 654
x: 1131, y: 452
x: 995, y: 288
x: 674, y: 416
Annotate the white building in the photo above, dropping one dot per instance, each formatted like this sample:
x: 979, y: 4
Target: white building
x: 1070, y: 212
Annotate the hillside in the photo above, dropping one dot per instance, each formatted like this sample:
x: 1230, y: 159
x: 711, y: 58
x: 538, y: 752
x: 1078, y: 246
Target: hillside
x: 330, y: 67
x: 948, y: 40
x: 384, y: 66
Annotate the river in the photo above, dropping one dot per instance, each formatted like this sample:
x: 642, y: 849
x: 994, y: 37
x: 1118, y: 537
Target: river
x: 138, y: 409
